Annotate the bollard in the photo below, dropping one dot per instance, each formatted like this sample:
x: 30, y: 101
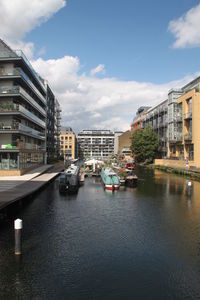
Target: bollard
x: 189, y: 183
x: 18, y: 235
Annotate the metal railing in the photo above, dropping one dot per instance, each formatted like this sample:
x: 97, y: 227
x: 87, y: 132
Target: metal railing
x: 179, y: 117
x: 16, y: 90
x: 21, y: 127
x: 179, y: 137
x: 20, y: 72
x: 21, y: 54
x: 19, y: 108
x: 31, y: 116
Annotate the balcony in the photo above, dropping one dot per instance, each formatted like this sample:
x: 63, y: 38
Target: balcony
x: 179, y: 117
x: 19, y: 91
x: 13, y: 127
x: 28, y: 146
x: 179, y: 137
x: 188, y: 115
x: 176, y: 138
x: 26, y: 78
x: 21, y: 54
x: 18, y: 72
x: 31, y: 116
x: 188, y: 137
x: 12, y: 108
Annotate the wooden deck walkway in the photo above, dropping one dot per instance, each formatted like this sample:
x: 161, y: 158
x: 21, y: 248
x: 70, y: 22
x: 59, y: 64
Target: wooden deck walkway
x: 27, y: 188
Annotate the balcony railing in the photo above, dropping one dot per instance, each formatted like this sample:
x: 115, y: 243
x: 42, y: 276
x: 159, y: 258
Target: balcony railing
x: 179, y: 137
x: 19, y: 108
x: 176, y: 138
x: 188, y: 137
x: 17, y: 90
x: 31, y: 116
x: 179, y: 117
x: 21, y: 54
x: 29, y: 146
x: 188, y: 115
x: 21, y: 127
x: 22, y: 145
x: 20, y: 72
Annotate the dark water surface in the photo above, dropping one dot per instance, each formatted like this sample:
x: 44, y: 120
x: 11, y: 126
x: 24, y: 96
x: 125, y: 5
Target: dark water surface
x: 141, y: 243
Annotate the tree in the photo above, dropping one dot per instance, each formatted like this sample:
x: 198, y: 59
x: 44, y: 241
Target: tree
x: 144, y: 144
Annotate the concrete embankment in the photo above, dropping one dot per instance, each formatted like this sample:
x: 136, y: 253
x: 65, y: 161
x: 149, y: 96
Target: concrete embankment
x: 24, y: 187
x: 192, y: 174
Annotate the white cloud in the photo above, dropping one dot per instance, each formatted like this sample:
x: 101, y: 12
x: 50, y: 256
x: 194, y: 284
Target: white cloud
x: 87, y: 101
x: 18, y: 17
x: 186, y: 29
x: 99, y: 69
x: 90, y: 102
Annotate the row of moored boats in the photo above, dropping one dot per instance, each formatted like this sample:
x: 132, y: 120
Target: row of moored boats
x: 112, y: 180
x: 74, y: 176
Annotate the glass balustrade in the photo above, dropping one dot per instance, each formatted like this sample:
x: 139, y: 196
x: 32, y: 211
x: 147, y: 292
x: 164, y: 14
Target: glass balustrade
x: 21, y: 127
x: 19, y: 90
x: 32, y: 101
x: 32, y: 131
x: 179, y: 136
x: 20, y: 72
x: 31, y: 116
x: 21, y: 54
x: 26, y: 78
x: 17, y: 107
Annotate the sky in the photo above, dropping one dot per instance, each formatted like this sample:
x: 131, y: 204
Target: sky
x: 105, y: 58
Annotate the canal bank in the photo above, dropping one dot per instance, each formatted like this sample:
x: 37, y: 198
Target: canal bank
x: 189, y: 173
x: 16, y: 188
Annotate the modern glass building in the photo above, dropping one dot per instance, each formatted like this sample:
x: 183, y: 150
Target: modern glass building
x: 157, y: 118
x: 23, y: 113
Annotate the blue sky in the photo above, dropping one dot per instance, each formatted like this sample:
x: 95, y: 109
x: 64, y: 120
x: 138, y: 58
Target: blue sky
x: 105, y: 58
x: 130, y: 37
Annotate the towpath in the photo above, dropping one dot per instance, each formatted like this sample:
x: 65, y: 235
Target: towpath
x: 14, y: 188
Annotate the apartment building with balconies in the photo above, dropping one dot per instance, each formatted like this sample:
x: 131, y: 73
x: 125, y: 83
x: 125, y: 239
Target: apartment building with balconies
x: 57, y: 128
x: 176, y: 122
x: 25, y: 112
x: 22, y: 112
x: 98, y: 144
x: 157, y: 118
x: 186, y: 147
x: 137, y: 120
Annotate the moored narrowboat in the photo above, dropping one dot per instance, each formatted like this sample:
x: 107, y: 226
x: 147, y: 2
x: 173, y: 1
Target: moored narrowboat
x: 110, y: 179
x: 69, y: 180
x: 131, y: 179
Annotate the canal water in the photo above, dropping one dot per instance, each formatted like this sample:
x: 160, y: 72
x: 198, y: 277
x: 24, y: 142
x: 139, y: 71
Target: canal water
x: 139, y: 243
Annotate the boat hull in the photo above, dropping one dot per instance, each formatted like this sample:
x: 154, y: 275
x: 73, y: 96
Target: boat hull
x: 69, y: 180
x: 110, y: 179
x: 131, y: 182
x: 109, y: 187
x: 116, y: 187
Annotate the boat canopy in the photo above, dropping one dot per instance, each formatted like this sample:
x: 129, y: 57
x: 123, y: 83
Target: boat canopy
x: 94, y: 162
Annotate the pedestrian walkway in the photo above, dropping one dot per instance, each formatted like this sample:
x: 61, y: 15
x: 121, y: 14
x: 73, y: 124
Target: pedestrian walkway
x: 21, y: 189
x: 9, y: 182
